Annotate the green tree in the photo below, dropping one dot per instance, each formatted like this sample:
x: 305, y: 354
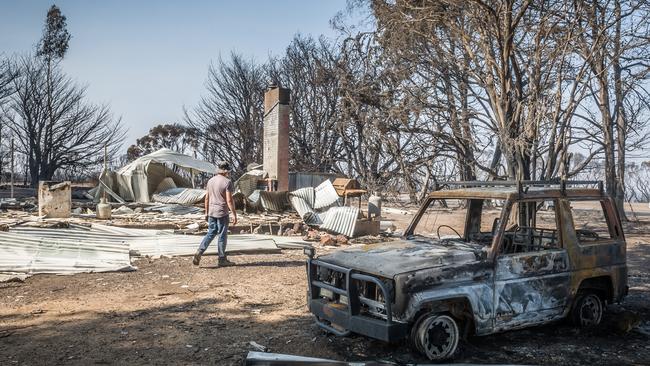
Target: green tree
x: 56, y: 37
x: 52, y: 48
x: 171, y: 136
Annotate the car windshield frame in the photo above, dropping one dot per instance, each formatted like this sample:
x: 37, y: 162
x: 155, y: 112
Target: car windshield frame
x: 411, y: 232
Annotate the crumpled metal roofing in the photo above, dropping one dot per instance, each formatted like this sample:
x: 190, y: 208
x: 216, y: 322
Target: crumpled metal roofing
x: 308, y: 194
x: 341, y: 220
x: 183, y: 196
x: 165, y: 184
x: 150, y: 242
x: 177, y: 245
x: 325, y: 195
x: 247, y: 183
x: 169, y: 156
x: 173, y: 208
x: 308, y: 215
x: 274, y: 201
x: 28, y: 253
x: 101, y: 248
x: 322, y: 216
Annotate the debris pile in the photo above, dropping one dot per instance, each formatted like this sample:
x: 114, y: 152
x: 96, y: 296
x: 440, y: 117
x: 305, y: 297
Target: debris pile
x: 154, y: 208
x: 320, y: 207
x: 149, y: 175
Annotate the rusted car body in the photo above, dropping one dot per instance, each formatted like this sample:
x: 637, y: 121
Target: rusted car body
x: 517, y: 273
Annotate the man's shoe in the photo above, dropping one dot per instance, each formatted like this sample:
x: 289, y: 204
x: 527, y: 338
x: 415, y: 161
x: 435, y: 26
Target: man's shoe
x: 197, y: 258
x: 224, y: 262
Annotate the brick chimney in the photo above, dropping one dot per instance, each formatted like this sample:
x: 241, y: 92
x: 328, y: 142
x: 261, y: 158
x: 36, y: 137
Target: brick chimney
x: 276, y: 135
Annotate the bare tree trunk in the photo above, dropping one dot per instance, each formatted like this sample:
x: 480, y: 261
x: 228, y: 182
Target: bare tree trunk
x: 496, y: 160
x: 621, y: 126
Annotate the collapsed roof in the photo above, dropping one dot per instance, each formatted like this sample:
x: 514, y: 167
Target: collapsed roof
x: 149, y: 174
x: 183, y: 161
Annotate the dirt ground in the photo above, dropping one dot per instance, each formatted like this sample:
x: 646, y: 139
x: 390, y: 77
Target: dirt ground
x: 170, y: 312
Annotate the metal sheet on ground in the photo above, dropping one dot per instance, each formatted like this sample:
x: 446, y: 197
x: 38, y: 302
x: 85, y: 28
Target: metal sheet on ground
x: 37, y: 254
x: 179, y: 245
x: 268, y: 359
x: 150, y: 242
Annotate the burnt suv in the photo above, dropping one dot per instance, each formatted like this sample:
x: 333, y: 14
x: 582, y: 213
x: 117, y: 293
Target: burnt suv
x: 509, y: 255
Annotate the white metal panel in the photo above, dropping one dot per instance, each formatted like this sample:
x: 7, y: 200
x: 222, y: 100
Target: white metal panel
x: 326, y: 195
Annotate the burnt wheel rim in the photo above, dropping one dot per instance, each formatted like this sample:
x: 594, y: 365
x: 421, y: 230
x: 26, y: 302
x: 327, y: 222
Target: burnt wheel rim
x: 438, y: 337
x: 591, y: 310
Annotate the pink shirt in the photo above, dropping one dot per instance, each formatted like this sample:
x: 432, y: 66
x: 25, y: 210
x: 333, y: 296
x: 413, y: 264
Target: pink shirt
x: 216, y: 191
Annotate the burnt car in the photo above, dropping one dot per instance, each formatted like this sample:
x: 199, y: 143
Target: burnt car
x: 509, y: 255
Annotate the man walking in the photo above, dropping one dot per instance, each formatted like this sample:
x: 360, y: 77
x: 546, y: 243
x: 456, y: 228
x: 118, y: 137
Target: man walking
x: 218, y: 205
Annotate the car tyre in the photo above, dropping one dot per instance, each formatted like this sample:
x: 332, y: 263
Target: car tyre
x: 436, y: 336
x: 587, y: 310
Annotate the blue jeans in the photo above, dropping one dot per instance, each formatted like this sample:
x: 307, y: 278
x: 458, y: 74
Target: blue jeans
x: 216, y: 227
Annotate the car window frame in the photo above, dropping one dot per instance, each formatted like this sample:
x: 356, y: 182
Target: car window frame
x: 613, y: 225
x: 558, y: 221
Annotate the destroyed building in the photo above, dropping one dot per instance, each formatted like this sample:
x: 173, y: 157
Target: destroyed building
x: 151, y: 175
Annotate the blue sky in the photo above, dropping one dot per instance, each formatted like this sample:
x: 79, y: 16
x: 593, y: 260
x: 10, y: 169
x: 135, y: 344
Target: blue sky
x: 147, y: 59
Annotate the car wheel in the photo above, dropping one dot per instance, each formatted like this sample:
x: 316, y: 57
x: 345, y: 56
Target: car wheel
x: 588, y: 310
x: 436, y: 336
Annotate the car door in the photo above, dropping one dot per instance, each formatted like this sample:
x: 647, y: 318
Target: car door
x: 532, y: 271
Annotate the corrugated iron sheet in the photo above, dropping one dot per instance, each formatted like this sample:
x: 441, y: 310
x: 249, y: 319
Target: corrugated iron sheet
x: 308, y: 215
x: 116, y: 230
x: 308, y: 194
x: 274, y: 201
x: 165, y: 184
x: 341, y: 220
x: 325, y: 195
x: 183, y: 196
x: 300, y: 205
x: 33, y: 254
x: 173, y: 208
x: 299, y: 180
x: 178, y: 245
x: 149, y: 242
x: 312, y: 218
x: 31, y: 250
x: 247, y: 183
x: 278, y: 359
x: 322, y: 216
x: 169, y: 156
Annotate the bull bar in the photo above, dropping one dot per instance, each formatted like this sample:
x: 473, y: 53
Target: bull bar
x: 349, y: 317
